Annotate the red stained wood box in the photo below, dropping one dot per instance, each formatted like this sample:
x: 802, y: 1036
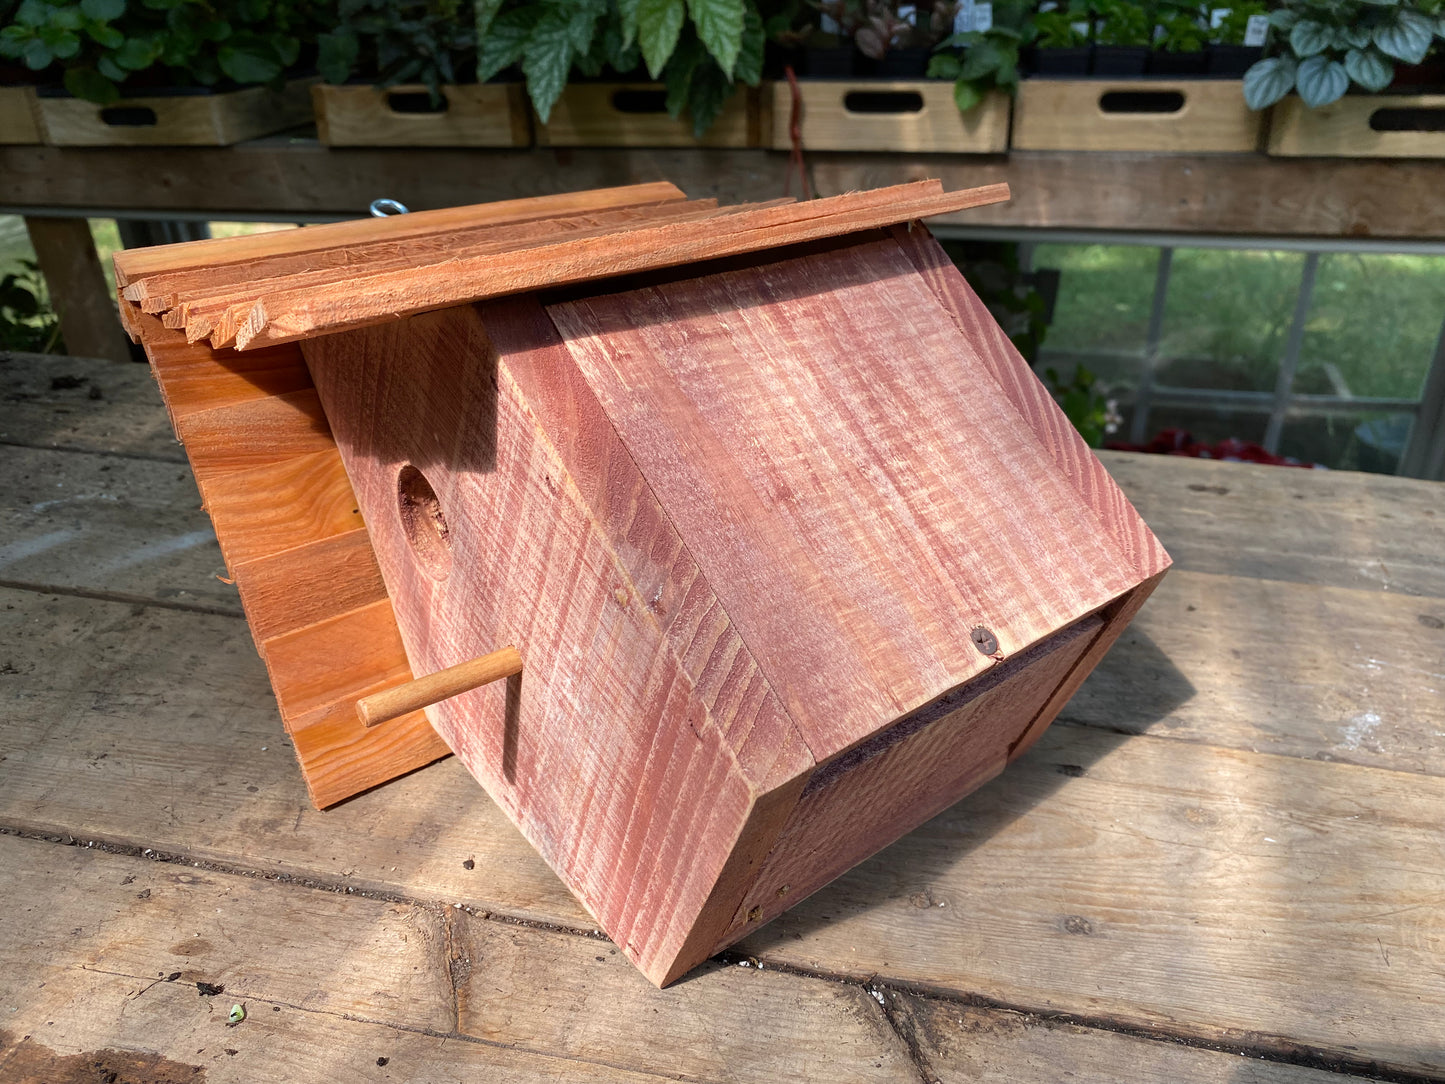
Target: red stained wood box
x: 794, y: 548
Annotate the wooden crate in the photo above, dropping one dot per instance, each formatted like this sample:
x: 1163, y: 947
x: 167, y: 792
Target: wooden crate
x: 1208, y: 115
x: 17, y: 115
x: 1347, y: 128
x: 909, y: 116
x: 634, y: 115
x: 210, y: 120
x: 476, y: 115
x: 793, y: 548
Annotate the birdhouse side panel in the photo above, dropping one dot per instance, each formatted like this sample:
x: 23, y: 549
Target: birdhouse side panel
x: 859, y: 491
x: 602, y: 752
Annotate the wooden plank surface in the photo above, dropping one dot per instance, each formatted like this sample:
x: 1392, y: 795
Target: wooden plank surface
x: 474, y: 115
x: 1217, y: 194
x: 109, y: 950
x: 923, y: 118
x: 1126, y: 882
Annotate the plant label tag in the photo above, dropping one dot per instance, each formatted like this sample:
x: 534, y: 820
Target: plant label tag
x: 1256, y: 30
x: 963, y: 18
x: 1081, y: 28
x: 1217, y: 16
x: 908, y: 13
x: 982, y: 17
x: 829, y: 25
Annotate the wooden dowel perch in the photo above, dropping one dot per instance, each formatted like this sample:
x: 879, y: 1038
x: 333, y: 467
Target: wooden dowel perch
x: 424, y: 691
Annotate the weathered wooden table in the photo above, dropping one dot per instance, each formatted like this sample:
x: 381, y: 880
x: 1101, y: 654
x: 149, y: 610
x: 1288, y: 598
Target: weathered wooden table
x: 1225, y: 863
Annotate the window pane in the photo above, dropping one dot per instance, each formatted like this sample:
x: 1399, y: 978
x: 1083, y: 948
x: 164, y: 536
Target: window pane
x: 1226, y: 318
x: 1369, y: 442
x: 1102, y: 313
x: 1373, y: 326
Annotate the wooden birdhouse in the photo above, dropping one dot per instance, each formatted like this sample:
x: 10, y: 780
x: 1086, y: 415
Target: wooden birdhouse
x: 776, y: 544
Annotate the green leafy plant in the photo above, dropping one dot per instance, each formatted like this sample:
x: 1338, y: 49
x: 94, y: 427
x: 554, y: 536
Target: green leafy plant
x: 102, y: 44
x: 1122, y: 22
x: 699, y: 49
x: 980, y: 61
x: 27, y: 322
x: 1059, y: 29
x: 1182, y: 28
x: 1321, y: 47
x: 1232, y: 27
x: 398, y: 41
x: 1092, y: 412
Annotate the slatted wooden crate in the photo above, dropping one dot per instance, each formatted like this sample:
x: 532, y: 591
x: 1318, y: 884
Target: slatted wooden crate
x: 475, y: 115
x: 1361, y: 126
x: 17, y: 115
x: 1179, y: 115
x: 917, y: 116
x: 175, y: 119
x: 635, y: 115
x: 784, y: 547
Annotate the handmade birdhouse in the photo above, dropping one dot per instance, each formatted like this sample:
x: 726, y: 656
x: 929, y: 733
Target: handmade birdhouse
x: 777, y: 546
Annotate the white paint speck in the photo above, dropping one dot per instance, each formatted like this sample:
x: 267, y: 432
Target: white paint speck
x: 1360, y: 732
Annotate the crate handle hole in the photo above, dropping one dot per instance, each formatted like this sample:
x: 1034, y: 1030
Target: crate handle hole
x: 128, y: 116
x: 640, y: 101
x: 423, y: 523
x: 414, y: 101
x: 1408, y: 120
x: 1141, y: 101
x: 883, y: 101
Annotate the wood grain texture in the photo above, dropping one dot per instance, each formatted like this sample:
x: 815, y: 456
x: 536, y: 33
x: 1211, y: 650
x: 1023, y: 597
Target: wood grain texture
x: 476, y: 115
x: 1369, y: 532
x: 605, y: 718
x: 1344, y: 128
x: 961, y: 1043
x: 1069, y: 115
x: 277, y: 315
x: 1071, y: 457
x: 756, y: 405
x: 135, y: 263
x: 599, y: 115
x: 935, y: 125
x: 347, y: 980
x: 65, y: 251
x: 863, y: 800
x: 17, y: 116
x: 179, y: 119
x: 291, y: 533
x: 161, y: 290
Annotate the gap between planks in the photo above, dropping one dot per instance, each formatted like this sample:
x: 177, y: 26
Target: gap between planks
x: 1283, y: 1052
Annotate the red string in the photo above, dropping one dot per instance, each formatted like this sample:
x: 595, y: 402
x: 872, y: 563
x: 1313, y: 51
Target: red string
x: 795, y: 133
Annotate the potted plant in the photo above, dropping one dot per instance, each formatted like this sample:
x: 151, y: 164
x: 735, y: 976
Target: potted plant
x: 1237, y: 38
x: 191, y: 73
x: 890, y: 37
x: 674, y: 60
x: 1062, y: 39
x: 1337, y: 57
x: 1122, y: 30
x: 981, y: 61
x: 1179, y: 39
x: 403, y: 73
x: 1321, y: 48
x: 829, y: 51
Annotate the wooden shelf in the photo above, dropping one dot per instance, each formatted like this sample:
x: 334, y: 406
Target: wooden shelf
x: 1224, y: 194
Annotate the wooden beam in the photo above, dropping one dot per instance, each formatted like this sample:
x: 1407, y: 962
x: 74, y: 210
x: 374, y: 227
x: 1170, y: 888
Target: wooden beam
x: 88, y: 320
x: 1240, y: 194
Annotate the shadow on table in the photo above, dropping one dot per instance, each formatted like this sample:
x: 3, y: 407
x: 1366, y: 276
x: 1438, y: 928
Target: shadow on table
x: 923, y: 866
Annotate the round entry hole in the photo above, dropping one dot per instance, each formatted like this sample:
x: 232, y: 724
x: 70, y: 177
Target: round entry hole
x: 423, y: 522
